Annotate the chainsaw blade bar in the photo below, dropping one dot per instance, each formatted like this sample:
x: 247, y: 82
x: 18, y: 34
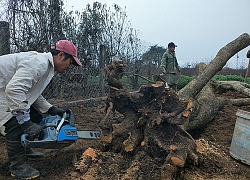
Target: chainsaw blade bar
x: 88, y: 134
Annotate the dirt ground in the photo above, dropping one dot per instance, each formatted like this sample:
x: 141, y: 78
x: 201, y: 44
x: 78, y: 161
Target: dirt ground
x: 213, y: 143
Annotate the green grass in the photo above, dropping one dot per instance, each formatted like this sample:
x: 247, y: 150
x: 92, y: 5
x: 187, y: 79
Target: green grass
x: 228, y: 78
x: 184, y: 80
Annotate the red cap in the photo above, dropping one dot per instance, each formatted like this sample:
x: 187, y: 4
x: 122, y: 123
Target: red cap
x: 68, y: 47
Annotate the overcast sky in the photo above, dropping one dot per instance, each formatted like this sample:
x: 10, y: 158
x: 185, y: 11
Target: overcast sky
x: 200, y: 28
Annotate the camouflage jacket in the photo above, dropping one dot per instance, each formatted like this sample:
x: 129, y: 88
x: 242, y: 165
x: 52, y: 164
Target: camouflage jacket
x: 169, y: 63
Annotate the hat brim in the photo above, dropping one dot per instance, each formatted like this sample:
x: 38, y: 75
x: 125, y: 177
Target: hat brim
x: 77, y: 62
x: 173, y: 46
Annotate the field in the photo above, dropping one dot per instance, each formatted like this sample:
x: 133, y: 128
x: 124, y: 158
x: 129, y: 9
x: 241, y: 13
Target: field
x: 213, y: 145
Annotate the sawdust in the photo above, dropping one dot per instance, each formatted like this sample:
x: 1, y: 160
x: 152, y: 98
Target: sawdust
x: 204, y: 147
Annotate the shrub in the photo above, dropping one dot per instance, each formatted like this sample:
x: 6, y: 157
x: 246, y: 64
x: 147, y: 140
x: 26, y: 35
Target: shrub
x: 228, y: 78
x: 184, y: 80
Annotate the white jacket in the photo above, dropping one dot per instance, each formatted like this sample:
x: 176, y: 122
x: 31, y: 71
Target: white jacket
x: 23, y: 77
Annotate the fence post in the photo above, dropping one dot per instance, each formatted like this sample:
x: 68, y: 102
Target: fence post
x: 4, y: 38
x: 245, y: 80
x: 102, y: 59
x: 150, y: 70
x: 159, y: 65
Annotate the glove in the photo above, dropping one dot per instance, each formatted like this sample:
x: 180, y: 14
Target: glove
x: 33, y: 130
x: 22, y: 115
x: 54, y: 110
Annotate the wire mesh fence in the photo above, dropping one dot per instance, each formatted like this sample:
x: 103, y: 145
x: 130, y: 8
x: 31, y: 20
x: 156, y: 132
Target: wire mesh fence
x: 84, y: 82
x: 74, y: 85
x: 37, y: 25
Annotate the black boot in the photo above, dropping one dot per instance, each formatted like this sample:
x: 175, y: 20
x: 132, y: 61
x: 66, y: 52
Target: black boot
x: 30, y: 153
x: 17, y: 158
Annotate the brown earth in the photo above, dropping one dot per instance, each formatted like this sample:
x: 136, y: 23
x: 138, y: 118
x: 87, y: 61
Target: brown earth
x: 213, y: 144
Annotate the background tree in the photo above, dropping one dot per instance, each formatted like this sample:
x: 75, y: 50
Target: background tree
x: 151, y: 60
x: 29, y: 25
x: 101, y: 34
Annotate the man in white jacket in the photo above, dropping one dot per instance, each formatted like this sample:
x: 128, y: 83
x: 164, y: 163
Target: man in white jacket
x: 23, y: 77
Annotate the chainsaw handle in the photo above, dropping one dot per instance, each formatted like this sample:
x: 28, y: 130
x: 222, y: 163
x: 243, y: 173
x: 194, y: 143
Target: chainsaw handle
x: 24, y: 140
x: 60, y: 124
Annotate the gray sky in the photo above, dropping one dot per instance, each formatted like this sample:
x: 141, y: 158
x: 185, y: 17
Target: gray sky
x: 200, y: 28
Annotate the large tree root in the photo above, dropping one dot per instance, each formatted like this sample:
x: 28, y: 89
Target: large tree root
x: 157, y: 119
x: 150, y: 121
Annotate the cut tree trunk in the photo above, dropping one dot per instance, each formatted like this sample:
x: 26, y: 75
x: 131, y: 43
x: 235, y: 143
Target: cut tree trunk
x: 201, y: 89
x: 224, y: 54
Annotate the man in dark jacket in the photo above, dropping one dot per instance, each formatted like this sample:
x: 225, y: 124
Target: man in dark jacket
x: 170, y: 67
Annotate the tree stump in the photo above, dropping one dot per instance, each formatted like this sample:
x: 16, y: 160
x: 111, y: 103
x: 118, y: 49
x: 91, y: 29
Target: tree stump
x: 156, y: 120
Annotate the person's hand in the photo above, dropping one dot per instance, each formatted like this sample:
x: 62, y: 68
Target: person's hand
x: 33, y: 130
x: 248, y: 54
x: 54, y: 110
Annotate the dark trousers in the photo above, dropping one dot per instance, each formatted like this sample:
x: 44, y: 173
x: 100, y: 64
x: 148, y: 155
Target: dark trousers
x: 14, y: 131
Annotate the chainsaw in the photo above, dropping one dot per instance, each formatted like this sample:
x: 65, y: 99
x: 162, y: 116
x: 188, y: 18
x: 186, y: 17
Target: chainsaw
x: 59, y: 132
